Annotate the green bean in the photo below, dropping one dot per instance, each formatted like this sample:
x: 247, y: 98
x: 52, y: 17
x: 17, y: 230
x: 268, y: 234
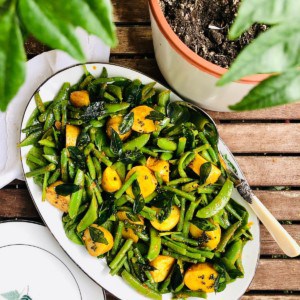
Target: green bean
x: 49, y: 151
x: 149, y: 152
x: 232, y: 211
x: 189, y: 159
x: 150, y: 197
x: 98, y: 169
x: 120, y: 169
x: 115, y: 107
x: 142, y: 261
x: 36, y: 160
x: 163, y: 98
x: 98, y: 124
x: 45, y: 184
x: 121, y: 253
x: 146, y: 291
x: 181, y: 164
x: 178, y: 256
x: 179, y: 181
x: 64, y: 165
x: 71, y: 169
x: 205, y: 189
x: 48, y: 143
x: 147, y: 88
x: 155, y: 244
x: 90, y: 217
x: 218, y: 203
x: 102, y: 157
x: 239, y: 262
x: 166, y: 144
x: 57, y: 112
x: 182, y: 213
x: 180, y: 238
x: 111, y: 79
x: 181, y: 146
x: 126, y: 185
x: 189, y: 216
x: 180, y: 193
x: 53, y: 178
x: 76, y: 197
x: 210, y: 149
x: 91, y: 167
x: 191, y: 186
x: 40, y: 171
x: 49, y: 121
x: 52, y: 158
x: 136, y: 143
x: 188, y: 294
x: 86, y: 81
x: 92, y: 188
x: 126, y: 265
x: 232, y: 254
x: 118, y: 237
x: 226, y: 236
x: 118, y: 267
x: 33, y: 117
x: 195, y: 255
x: 166, y: 156
x: 206, y: 155
x: 174, y: 246
x: 31, y: 129
x: 31, y: 138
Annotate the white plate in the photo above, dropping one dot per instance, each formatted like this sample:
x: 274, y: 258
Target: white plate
x: 33, y: 265
x: 97, y: 268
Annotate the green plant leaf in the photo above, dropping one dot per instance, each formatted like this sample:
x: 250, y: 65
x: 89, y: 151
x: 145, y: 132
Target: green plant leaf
x: 48, y: 28
x: 275, y: 90
x: 115, y: 143
x: 93, y: 16
x: 12, y: 295
x: 269, y: 12
x: 12, y: 56
x: 66, y: 189
x: 127, y: 123
x: 275, y: 50
x: 97, y: 235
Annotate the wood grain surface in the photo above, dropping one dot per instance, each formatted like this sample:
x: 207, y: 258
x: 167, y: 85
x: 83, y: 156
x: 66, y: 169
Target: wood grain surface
x: 266, y: 144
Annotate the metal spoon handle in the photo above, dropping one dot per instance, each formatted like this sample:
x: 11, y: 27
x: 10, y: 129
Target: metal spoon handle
x: 287, y: 244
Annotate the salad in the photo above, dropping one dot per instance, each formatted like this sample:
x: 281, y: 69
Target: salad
x: 141, y: 184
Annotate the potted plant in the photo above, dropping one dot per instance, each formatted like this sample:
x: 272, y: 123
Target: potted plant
x: 273, y: 51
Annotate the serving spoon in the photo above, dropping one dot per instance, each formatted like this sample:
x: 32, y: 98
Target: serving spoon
x: 287, y: 244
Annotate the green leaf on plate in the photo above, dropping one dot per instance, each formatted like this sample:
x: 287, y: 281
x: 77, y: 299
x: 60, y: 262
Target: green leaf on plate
x: 66, y: 189
x: 12, y: 295
x: 12, y: 55
x: 205, y: 170
x: 49, y: 28
x: 97, y: 235
x: 275, y: 50
x: 115, y: 143
x: 264, y: 12
x: 276, y: 90
x: 204, y: 224
x: 127, y: 123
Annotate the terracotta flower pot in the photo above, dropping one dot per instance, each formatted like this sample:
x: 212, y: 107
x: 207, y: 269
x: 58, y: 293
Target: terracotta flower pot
x: 190, y: 75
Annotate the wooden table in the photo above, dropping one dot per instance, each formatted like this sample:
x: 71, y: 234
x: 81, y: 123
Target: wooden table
x: 266, y: 144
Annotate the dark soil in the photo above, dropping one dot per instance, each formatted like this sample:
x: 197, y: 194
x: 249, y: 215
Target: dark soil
x: 203, y: 26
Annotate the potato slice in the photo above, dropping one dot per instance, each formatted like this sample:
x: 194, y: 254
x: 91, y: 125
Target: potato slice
x: 162, y: 265
x: 114, y: 123
x: 111, y: 181
x: 201, y: 277
x: 128, y: 233
x: 72, y: 133
x: 59, y: 201
x: 95, y: 248
x: 170, y: 222
x: 140, y: 123
x: 214, y: 236
x: 196, y: 164
x: 80, y: 98
x: 159, y: 166
x: 146, y: 180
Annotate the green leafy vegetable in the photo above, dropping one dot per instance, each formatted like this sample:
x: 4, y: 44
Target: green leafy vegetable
x: 77, y: 157
x: 275, y: 90
x: 97, y: 235
x: 155, y: 116
x: 176, y: 277
x: 127, y: 123
x: 204, y: 224
x: 204, y: 172
x: 264, y: 12
x: 138, y: 204
x: 66, y: 189
x: 115, y: 143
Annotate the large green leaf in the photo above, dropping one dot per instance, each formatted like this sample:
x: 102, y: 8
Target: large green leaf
x: 263, y: 11
x: 12, y: 56
x: 276, y: 90
x: 276, y: 50
x: 85, y: 15
x: 47, y: 27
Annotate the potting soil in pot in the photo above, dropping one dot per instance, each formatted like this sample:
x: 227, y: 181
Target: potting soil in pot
x: 203, y: 26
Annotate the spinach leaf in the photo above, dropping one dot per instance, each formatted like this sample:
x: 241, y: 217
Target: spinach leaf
x: 220, y: 282
x: 190, y: 137
x: 107, y: 208
x: 97, y: 235
x: 115, y: 143
x: 235, y: 273
x: 155, y: 116
x: 131, y: 156
x: 204, y: 224
x: 163, y: 201
x: 269, y: 12
x: 94, y: 110
x: 83, y: 139
x: 138, y: 204
x: 66, y: 189
x: 178, y: 112
x: 211, y: 134
x: 176, y: 277
x: 127, y: 123
x: 276, y: 90
x: 205, y: 170
x: 132, y: 92
x: 77, y: 157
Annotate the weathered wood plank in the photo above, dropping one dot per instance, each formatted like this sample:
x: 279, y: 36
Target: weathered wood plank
x: 260, y: 138
x: 280, y: 203
x: 277, y: 274
x: 267, y: 297
x: 270, y: 171
x: 131, y: 11
x: 269, y: 246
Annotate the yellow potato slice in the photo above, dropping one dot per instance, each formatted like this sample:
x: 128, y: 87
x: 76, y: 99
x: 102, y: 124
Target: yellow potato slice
x: 114, y: 123
x: 80, y: 98
x: 162, y: 265
x: 140, y: 123
x: 160, y: 166
x: 111, y: 181
x: 59, y: 201
x: 170, y: 222
x: 72, y: 133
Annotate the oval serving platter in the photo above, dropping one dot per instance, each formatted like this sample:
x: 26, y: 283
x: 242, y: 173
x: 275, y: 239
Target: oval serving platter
x: 97, y: 268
